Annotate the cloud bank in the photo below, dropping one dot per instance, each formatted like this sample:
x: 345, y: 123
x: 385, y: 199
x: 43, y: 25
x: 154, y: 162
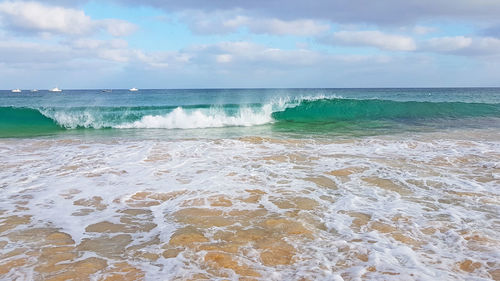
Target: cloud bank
x: 383, y: 12
x: 195, y: 43
x: 34, y: 17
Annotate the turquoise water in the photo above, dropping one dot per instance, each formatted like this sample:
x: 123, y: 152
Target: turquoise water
x: 243, y: 111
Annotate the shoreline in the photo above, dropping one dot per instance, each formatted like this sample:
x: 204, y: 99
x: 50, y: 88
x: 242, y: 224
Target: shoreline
x: 250, y: 207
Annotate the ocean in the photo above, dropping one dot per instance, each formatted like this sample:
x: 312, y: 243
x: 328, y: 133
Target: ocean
x: 250, y: 184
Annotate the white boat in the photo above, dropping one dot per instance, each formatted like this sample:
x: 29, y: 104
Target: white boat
x: 34, y: 90
x: 134, y: 90
x: 16, y: 91
x: 55, y: 90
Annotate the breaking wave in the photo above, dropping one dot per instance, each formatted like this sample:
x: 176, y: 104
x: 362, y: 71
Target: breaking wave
x: 305, y: 110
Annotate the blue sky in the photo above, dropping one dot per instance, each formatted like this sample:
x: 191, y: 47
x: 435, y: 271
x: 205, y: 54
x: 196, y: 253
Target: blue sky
x: 239, y: 44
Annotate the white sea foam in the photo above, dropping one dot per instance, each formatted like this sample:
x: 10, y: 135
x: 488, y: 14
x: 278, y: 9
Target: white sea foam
x: 71, y: 119
x: 216, y: 117
x: 179, y: 118
x: 213, y: 118
x: 449, y: 183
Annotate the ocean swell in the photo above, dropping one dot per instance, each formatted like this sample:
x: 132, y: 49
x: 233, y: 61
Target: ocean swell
x: 284, y: 111
x: 331, y: 110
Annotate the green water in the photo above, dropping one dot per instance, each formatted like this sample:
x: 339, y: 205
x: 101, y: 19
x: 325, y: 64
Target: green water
x: 18, y: 122
x: 254, y: 111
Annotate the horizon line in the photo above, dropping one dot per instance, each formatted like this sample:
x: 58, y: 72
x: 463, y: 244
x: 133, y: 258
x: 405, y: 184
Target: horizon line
x: 266, y: 88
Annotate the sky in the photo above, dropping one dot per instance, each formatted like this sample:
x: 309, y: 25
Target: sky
x: 81, y: 44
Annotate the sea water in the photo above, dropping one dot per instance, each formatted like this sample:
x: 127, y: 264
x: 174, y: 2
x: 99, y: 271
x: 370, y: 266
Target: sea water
x: 250, y: 184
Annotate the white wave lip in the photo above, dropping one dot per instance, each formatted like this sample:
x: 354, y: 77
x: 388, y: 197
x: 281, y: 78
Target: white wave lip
x: 216, y: 118
x: 73, y: 120
x: 181, y: 119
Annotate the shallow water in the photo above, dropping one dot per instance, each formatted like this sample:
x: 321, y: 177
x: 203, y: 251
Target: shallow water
x: 260, y: 184
x: 409, y: 206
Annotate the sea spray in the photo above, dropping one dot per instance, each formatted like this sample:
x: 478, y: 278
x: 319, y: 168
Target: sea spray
x: 283, y: 111
x: 181, y: 119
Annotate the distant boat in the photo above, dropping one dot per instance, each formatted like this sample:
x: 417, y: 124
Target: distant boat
x: 55, y: 90
x: 106, y: 91
x: 34, y: 90
x: 134, y: 90
x: 16, y: 91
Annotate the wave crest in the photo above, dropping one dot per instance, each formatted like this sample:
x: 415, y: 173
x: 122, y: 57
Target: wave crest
x: 322, y: 109
x: 181, y: 119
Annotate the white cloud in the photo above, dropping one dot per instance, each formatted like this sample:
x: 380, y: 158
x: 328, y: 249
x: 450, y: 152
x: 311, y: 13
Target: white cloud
x: 16, y: 53
x: 117, y: 27
x: 447, y: 44
x: 89, y: 43
x: 224, y: 58
x: 35, y: 17
x: 236, y: 22
x: 359, y: 59
x: 107, y: 63
x: 81, y: 53
x: 221, y: 22
x: 237, y: 54
x: 294, y: 27
x: 372, y: 38
x: 387, y: 12
x: 462, y: 45
x: 423, y: 30
x: 116, y: 55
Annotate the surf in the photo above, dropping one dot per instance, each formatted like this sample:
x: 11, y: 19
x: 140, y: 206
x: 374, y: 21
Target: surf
x: 304, y: 110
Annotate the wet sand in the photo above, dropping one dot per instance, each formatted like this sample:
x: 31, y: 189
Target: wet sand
x: 250, y: 209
